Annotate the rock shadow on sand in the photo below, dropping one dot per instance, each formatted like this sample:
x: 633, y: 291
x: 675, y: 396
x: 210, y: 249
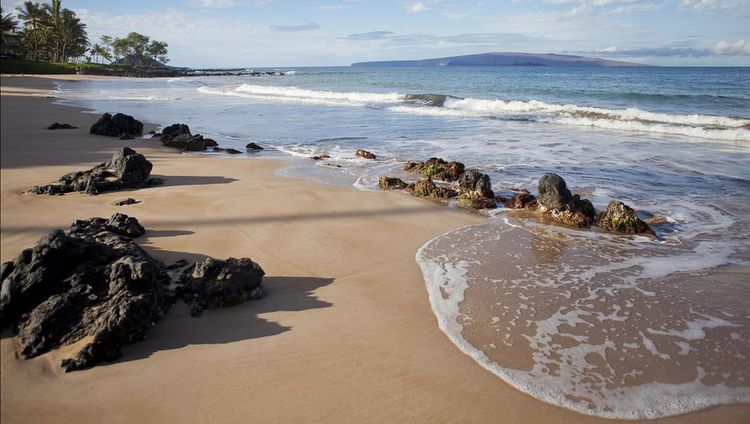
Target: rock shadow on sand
x: 186, y: 180
x: 231, y: 324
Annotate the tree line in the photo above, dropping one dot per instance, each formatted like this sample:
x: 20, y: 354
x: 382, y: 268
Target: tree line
x: 48, y: 32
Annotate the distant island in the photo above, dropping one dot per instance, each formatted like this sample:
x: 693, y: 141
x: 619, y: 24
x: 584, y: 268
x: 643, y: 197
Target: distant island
x: 506, y: 59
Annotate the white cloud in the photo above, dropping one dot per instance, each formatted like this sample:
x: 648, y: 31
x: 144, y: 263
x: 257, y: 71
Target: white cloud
x: 610, y: 6
x: 295, y: 28
x: 454, y: 15
x: 417, y: 7
x: 722, y: 48
x: 717, y: 5
x: 346, y: 4
x: 226, y: 3
x: 209, y: 41
x: 391, y: 39
x: 216, y: 3
x: 739, y: 48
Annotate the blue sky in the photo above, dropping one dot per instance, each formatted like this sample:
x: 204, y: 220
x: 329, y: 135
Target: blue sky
x: 225, y: 33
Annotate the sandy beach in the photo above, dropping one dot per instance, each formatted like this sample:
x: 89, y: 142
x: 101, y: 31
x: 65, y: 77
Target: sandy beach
x: 345, y: 332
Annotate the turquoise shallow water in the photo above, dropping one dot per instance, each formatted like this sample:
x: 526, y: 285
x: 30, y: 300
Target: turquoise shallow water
x: 673, y: 142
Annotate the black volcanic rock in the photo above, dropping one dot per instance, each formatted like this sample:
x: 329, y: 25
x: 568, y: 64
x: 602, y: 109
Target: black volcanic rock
x: 553, y: 192
x: 556, y: 202
x: 214, y: 283
x: 228, y: 150
x: 621, y: 218
x: 390, y: 183
x: 186, y: 142
x: 117, y: 126
x: 91, y: 285
x: 437, y: 169
x: 89, y: 282
x: 59, y: 126
x: 365, y: 154
x: 520, y: 200
x: 125, y: 202
x: 180, y: 137
x: 475, y: 184
x: 428, y: 188
x: 127, y: 169
x: 173, y: 131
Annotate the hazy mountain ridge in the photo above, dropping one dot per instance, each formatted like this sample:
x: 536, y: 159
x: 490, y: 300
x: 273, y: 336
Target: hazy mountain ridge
x: 505, y: 59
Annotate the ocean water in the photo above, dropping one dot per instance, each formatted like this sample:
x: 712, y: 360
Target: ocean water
x: 608, y: 325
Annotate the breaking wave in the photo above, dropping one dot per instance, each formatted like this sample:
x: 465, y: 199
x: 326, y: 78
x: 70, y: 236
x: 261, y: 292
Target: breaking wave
x: 301, y: 95
x: 631, y: 119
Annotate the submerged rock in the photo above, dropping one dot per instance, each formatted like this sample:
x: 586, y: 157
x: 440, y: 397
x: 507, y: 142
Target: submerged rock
x: 621, y: 218
x: 92, y: 285
x: 389, y: 183
x: 215, y: 283
x: 117, y: 125
x: 59, y: 126
x: 253, y: 146
x: 321, y: 157
x: 365, y: 154
x: 127, y: 169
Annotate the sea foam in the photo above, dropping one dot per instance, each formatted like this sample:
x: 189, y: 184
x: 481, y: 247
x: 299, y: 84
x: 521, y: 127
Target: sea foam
x: 585, y: 330
x: 631, y: 119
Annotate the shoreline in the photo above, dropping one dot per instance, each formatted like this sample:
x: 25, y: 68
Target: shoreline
x: 346, y: 332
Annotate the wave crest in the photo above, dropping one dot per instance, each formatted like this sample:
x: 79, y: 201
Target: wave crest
x: 631, y: 119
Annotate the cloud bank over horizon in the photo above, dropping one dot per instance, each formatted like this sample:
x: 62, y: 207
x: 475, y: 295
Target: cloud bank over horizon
x: 278, y: 33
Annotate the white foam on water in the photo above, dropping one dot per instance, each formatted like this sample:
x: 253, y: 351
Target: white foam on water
x: 141, y: 98
x: 632, y: 119
x: 301, y: 95
x: 696, y: 329
x: 732, y: 130
x: 499, y: 107
x: 447, y: 275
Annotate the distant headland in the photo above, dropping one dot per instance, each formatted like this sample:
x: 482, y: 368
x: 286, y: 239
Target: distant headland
x: 506, y: 59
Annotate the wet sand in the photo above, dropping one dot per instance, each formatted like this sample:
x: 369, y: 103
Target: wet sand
x: 345, y: 333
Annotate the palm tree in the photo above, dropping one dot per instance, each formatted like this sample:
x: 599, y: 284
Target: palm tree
x: 8, y: 26
x: 54, y: 16
x: 106, y: 41
x: 33, y: 17
x: 71, y: 35
x: 97, y: 50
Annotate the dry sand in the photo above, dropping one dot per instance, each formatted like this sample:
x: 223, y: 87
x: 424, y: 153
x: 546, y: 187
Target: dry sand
x: 345, y: 333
